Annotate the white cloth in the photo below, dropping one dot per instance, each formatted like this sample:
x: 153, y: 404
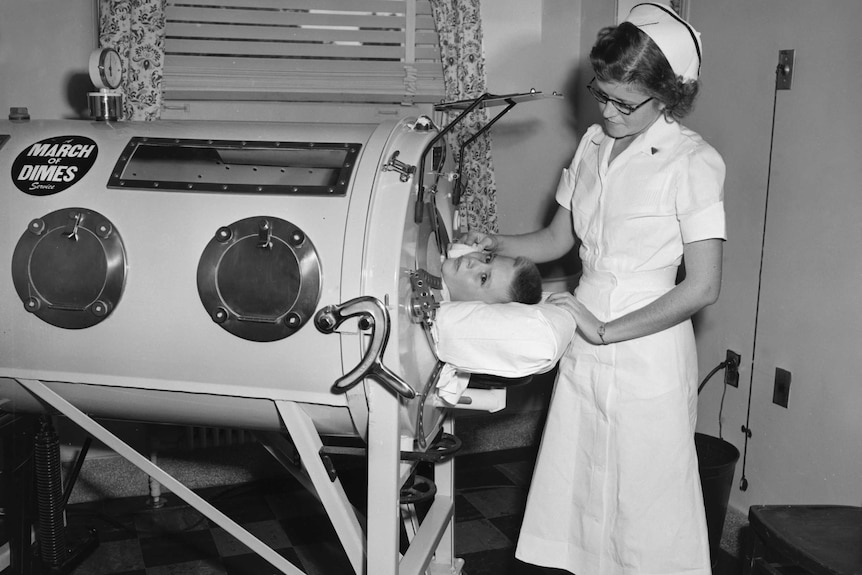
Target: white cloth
x: 616, y: 489
x: 503, y: 339
x: 452, y: 384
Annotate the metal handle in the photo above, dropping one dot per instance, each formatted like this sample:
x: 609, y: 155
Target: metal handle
x: 394, y: 164
x: 376, y: 317
x: 71, y: 230
x: 264, y: 235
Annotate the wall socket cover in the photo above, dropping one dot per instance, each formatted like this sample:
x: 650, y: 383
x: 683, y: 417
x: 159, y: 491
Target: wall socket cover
x: 781, y: 391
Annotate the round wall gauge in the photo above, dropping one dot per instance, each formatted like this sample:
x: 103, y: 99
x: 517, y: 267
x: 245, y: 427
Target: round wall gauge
x: 106, y: 68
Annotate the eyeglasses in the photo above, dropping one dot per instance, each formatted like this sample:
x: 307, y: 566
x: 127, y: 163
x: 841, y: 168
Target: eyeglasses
x: 622, y: 107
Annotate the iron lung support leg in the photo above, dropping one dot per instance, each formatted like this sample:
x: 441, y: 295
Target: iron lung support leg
x: 43, y: 392
x: 330, y: 493
x: 431, y: 550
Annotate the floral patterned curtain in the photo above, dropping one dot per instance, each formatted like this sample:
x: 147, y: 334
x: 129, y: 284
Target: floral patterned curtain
x: 459, y: 26
x: 136, y: 29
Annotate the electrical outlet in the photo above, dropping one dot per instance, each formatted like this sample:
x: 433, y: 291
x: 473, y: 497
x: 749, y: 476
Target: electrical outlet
x: 784, y: 71
x: 731, y: 369
x: 781, y: 391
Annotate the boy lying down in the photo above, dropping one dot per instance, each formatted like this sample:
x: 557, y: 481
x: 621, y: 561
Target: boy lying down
x: 492, y: 320
x: 470, y: 274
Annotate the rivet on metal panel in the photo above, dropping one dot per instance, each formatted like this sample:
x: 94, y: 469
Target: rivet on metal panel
x: 104, y: 230
x: 99, y: 308
x: 296, y: 238
x: 220, y: 315
x: 223, y: 234
x: 37, y: 227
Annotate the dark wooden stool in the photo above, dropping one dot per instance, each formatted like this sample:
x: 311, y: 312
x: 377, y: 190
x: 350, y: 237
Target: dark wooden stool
x: 813, y: 539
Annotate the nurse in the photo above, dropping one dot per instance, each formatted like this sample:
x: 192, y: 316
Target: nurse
x: 616, y: 488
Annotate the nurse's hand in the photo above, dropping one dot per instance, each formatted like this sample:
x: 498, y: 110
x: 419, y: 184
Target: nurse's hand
x: 485, y: 241
x: 587, y: 323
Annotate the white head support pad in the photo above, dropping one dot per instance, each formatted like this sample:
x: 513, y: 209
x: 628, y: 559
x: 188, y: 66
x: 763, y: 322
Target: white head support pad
x: 678, y: 41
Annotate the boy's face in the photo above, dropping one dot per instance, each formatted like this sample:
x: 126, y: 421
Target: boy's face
x: 479, y: 276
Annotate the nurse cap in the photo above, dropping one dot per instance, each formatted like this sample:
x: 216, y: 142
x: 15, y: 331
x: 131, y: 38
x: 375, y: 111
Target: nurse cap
x: 678, y: 41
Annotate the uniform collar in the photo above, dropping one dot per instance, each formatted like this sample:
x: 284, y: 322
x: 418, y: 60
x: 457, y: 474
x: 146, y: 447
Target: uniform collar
x: 656, y: 138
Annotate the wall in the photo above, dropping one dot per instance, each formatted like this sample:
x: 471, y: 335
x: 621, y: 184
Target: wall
x: 45, y: 47
x: 801, y: 311
x: 808, y: 318
x: 532, y: 45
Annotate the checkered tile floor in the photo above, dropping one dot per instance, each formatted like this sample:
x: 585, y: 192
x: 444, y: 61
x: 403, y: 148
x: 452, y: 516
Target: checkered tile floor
x: 135, y: 539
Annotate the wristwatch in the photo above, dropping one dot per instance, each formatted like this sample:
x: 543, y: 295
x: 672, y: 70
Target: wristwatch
x: 601, y: 331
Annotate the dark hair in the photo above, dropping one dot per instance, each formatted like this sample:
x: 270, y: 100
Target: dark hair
x: 627, y: 55
x: 527, y: 283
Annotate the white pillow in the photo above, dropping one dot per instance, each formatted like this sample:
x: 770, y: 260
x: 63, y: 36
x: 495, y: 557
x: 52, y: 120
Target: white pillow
x: 503, y: 339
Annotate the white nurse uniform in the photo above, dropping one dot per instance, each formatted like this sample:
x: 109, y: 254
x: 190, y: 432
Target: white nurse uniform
x: 616, y: 488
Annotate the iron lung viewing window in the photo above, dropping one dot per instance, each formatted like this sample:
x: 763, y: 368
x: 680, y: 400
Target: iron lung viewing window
x: 278, y: 168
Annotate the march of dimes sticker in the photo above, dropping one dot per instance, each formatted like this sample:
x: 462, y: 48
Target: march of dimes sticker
x: 50, y: 166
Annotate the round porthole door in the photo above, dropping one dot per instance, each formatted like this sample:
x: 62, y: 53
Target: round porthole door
x: 259, y: 278
x: 69, y: 268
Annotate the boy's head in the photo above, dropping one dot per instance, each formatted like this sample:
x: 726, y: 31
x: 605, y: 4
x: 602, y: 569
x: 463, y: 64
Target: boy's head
x: 491, y: 278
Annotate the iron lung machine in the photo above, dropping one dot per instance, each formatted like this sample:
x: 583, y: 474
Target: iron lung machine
x: 264, y: 276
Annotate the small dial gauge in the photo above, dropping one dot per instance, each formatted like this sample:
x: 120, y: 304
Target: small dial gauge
x: 106, y: 69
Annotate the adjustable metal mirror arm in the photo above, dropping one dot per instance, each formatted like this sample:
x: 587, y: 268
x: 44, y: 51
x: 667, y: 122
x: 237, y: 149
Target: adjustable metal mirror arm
x: 456, y: 194
x: 485, y: 100
x: 420, y: 199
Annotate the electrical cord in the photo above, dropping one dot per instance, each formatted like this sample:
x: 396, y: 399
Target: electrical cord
x: 723, y: 365
x: 709, y: 375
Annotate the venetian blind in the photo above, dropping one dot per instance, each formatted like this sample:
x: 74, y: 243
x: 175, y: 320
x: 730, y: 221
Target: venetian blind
x: 302, y: 50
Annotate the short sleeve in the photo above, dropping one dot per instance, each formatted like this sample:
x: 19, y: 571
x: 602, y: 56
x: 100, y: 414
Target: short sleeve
x: 700, y: 196
x: 566, y: 187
